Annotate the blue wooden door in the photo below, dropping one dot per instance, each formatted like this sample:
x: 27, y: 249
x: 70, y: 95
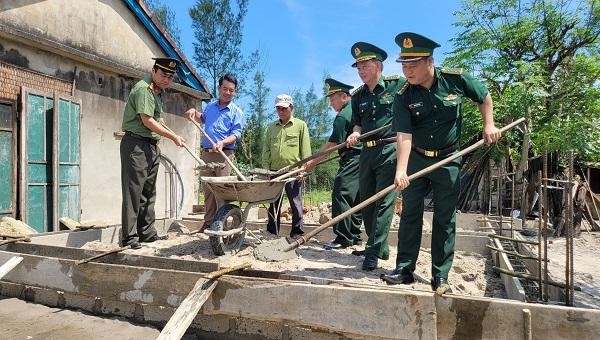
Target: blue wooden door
x: 68, y: 159
x: 7, y: 161
x: 50, y: 160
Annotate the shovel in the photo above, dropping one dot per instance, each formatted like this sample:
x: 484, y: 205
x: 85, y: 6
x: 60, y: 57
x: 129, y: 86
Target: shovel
x: 237, y: 171
x: 201, y: 162
x: 304, y: 238
x: 327, y: 151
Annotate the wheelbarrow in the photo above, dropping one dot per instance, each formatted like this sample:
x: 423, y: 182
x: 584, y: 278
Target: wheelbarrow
x: 228, y: 229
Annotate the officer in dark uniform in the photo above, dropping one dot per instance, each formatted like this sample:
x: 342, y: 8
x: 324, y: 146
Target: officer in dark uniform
x: 372, y: 109
x: 428, y: 122
x: 345, y: 186
x: 140, y: 153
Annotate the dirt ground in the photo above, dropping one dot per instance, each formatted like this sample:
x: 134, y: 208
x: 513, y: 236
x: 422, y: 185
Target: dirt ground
x: 471, y: 273
x: 585, y: 262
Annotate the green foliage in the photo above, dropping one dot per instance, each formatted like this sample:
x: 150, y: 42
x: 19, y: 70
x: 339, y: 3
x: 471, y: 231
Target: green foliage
x: 314, y: 110
x: 166, y: 16
x: 537, y: 56
x: 218, y: 31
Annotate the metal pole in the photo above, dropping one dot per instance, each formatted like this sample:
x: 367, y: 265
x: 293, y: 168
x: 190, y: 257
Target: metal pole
x: 501, y: 191
x: 544, y: 198
x: 571, y: 231
x: 512, y: 204
x: 539, y: 263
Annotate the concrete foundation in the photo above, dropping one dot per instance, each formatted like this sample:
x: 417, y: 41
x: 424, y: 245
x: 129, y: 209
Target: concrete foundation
x: 269, y: 305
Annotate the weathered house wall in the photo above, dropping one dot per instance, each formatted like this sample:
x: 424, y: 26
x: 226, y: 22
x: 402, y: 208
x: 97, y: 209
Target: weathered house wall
x: 101, y: 49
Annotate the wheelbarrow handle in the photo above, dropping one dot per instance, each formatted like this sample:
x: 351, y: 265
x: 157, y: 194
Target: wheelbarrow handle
x: 212, y: 142
x: 329, y: 150
x: 201, y: 162
x: 304, y: 238
x: 299, y: 170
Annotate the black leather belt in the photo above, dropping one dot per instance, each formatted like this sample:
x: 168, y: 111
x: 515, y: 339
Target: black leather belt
x: 382, y: 141
x: 436, y: 153
x: 145, y: 139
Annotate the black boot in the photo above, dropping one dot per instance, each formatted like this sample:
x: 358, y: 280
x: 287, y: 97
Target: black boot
x: 400, y: 275
x: 440, y: 285
x: 370, y: 262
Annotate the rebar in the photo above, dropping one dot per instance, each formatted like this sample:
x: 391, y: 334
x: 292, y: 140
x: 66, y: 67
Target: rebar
x: 539, y: 235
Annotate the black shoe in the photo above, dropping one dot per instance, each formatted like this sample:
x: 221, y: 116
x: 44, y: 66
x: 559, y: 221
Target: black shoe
x: 357, y: 242
x: 135, y: 245
x: 398, y: 276
x: 156, y: 238
x: 358, y: 252
x: 296, y: 236
x: 335, y: 245
x: 370, y: 262
x: 440, y: 285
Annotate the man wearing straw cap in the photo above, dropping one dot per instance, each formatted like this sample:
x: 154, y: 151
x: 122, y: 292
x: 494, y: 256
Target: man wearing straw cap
x: 428, y: 124
x: 345, y: 186
x: 140, y: 153
x: 286, y: 142
x: 372, y: 109
x: 223, y: 122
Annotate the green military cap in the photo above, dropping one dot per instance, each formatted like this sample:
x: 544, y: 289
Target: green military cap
x: 334, y: 86
x: 413, y: 46
x: 169, y: 65
x: 365, y: 51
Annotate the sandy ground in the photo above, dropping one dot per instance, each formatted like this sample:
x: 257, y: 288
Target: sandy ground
x: 20, y: 320
x: 585, y: 263
x: 471, y: 273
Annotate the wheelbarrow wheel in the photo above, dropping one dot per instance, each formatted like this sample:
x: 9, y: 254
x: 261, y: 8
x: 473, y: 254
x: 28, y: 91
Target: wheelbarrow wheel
x: 228, y: 217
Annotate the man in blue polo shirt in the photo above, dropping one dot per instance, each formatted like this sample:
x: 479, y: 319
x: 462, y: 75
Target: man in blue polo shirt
x: 222, y: 121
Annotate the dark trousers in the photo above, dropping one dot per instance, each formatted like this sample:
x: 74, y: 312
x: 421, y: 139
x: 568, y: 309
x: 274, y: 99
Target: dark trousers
x: 139, y: 169
x: 377, y: 170
x: 211, y: 202
x: 445, y: 182
x: 293, y: 191
x: 345, y: 196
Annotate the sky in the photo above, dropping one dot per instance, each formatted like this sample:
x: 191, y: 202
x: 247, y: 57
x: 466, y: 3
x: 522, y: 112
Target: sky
x: 300, y: 40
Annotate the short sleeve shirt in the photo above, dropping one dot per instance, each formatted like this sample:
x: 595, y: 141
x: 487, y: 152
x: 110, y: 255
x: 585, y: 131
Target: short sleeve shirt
x: 342, y: 128
x: 372, y: 110
x: 433, y: 116
x: 142, y: 100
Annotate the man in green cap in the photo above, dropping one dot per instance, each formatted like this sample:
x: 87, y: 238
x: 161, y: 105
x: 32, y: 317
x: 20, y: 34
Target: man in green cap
x: 428, y: 122
x: 372, y: 109
x: 140, y: 153
x: 345, y: 186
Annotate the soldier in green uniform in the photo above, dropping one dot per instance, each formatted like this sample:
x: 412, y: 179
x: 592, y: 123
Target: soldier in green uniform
x: 345, y: 186
x: 372, y: 109
x: 139, y: 153
x: 428, y: 122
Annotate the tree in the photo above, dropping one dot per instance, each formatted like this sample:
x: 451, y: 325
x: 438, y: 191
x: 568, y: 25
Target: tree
x: 166, y: 16
x: 252, y: 137
x: 540, y: 55
x: 218, y: 31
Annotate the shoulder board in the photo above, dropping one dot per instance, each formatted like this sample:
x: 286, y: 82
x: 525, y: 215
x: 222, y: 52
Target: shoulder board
x: 455, y: 71
x: 357, y: 89
x: 394, y: 77
x: 403, y: 88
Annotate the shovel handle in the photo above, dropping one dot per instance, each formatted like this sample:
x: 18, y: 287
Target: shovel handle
x: 201, y: 162
x: 304, y: 238
x: 237, y: 171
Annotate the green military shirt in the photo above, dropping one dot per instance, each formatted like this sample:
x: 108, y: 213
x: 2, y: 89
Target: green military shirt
x: 342, y: 128
x: 142, y: 100
x: 372, y: 110
x: 433, y: 116
x: 285, y: 144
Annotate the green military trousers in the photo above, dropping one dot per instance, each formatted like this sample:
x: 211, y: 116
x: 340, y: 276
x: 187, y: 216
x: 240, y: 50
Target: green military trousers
x: 345, y: 196
x: 445, y: 183
x: 377, y: 170
x: 139, y: 169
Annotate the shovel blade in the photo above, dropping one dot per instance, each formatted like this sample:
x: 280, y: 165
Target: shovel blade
x: 272, y: 251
